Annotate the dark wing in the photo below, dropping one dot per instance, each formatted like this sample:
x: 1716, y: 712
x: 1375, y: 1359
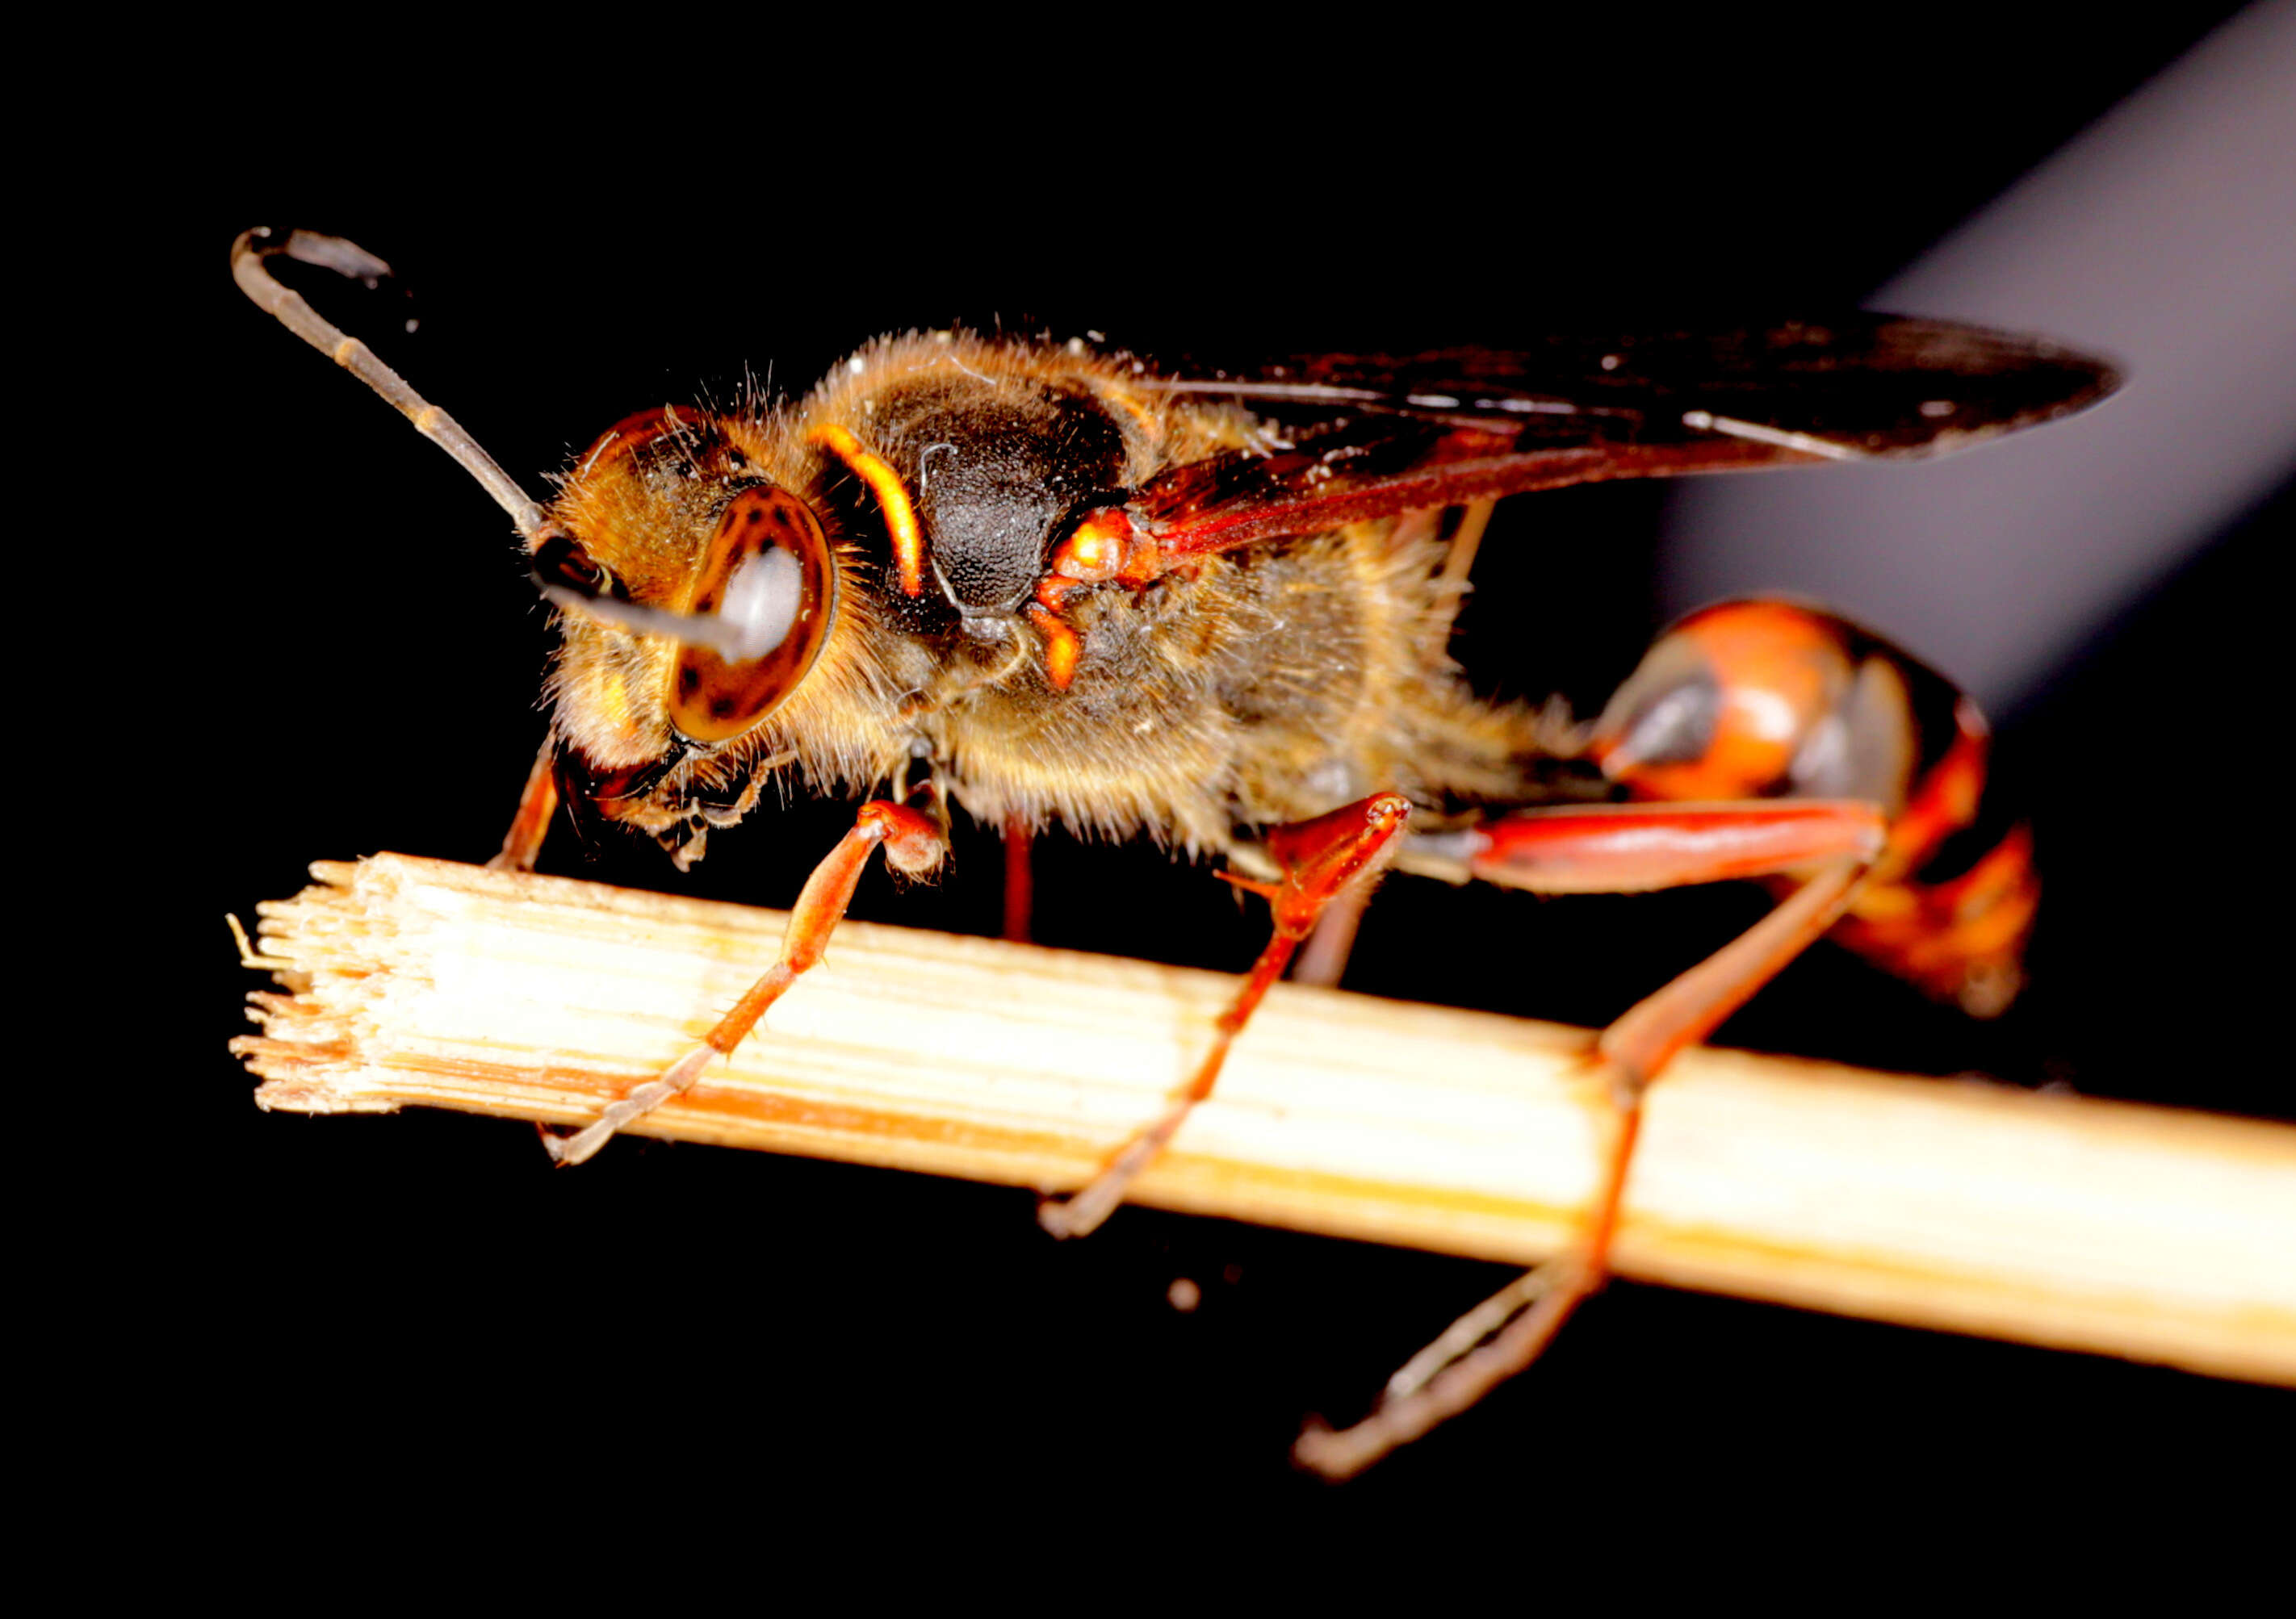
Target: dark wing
x: 1360, y: 435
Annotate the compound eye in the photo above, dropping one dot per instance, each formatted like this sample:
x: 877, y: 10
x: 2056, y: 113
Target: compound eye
x: 771, y: 584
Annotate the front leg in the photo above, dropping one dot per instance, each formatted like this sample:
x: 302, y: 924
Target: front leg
x: 913, y: 843
x: 537, y: 803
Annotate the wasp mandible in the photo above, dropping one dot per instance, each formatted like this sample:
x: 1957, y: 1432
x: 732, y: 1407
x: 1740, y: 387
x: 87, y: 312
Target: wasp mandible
x: 1048, y: 584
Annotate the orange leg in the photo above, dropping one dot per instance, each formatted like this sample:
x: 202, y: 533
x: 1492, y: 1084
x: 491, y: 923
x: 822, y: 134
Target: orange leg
x: 522, y: 844
x: 912, y: 841
x: 1019, y: 887
x: 1323, y: 961
x: 1630, y: 847
x: 1319, y: 859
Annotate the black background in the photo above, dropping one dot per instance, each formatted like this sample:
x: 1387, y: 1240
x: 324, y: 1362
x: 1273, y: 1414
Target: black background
x: 362, y: 1299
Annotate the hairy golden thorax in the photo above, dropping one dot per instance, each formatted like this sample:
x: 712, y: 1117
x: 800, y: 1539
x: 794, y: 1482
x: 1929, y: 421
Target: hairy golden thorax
x: 1264, y: 686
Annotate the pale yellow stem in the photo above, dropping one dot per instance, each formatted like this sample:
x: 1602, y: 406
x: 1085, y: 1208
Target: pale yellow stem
x: 2051, y: 1219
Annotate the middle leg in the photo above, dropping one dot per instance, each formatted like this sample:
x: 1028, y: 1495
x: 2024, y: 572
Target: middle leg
x: 1319, y: 859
